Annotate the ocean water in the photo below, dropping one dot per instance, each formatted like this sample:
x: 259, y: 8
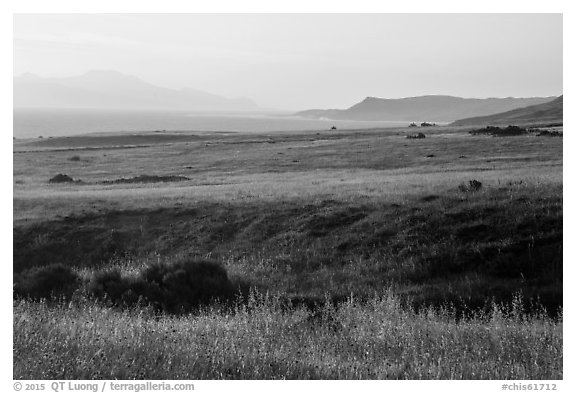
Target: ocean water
x: 32, y: 123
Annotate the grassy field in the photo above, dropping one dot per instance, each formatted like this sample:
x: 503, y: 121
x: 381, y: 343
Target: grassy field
x: 377, y: 340
x: 357, y: 254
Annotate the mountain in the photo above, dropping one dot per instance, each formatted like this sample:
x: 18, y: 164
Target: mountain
x: 113, y: 90
x: 436, y: 108
x: 548, y: 112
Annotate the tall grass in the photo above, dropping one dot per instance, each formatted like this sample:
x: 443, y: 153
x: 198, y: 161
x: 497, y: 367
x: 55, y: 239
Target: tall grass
x: 263, y: 339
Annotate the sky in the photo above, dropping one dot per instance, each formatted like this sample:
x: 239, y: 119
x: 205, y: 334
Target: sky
x: 303, y: 61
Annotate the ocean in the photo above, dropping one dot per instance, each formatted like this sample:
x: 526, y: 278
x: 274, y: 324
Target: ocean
x: 32, y: 123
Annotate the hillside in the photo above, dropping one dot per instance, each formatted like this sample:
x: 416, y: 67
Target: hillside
x: 547, y: 112
x: 436, y: 108
x: 113, y: 90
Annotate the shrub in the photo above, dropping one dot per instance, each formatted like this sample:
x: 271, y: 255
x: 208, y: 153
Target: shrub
x: 61, y: 178
x: 177, y: 287
x: 550, y: 133
x: 512, y: 130
x: 108, y: 284
x: 186, y: 285
x: 472, y: 186
x: 497, y: 131
x: 147, y: 179
x: 74, y: 158
x: 420, y: 135
x: 46, y: 282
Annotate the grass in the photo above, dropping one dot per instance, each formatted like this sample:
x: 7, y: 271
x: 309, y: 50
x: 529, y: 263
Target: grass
x: 378, y: 164
x: 427, y: 279
x: 375, y: 340
x: 437, y: 248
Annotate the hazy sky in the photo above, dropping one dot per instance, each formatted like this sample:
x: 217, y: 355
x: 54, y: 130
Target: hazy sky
x: 301, y: 61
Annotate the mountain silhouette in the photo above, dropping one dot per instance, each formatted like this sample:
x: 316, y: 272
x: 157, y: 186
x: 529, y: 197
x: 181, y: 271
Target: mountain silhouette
x: 114, y: 90
x: 438, y: 108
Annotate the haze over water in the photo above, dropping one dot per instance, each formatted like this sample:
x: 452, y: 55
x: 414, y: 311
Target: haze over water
x: 32, y: 123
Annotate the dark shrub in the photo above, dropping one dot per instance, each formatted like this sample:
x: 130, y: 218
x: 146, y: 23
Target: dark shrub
x: 489, y: 130
x: 184, y: 286
x: 108, y: 284
x: 472, y: 186
x: 512, y: 130
x: 61, y: 178
x: 497, y: 131
x: 420, y: 135
x: 46, y: 282
x: 430, y: 198
x: 178, y: 287
x: 550, y: 133
x: 147, y: 179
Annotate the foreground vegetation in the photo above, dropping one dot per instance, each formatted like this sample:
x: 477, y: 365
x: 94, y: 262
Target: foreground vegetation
x: 347, y: 255
x: 262, y: 340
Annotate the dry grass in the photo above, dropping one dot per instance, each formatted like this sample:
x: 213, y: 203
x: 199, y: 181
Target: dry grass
x: 344, y: 165
x: 377, y: 340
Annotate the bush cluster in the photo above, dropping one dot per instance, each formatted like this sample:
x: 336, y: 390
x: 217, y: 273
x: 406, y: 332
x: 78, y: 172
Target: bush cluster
x: 146, y: 179
x: 420, y: 135
x: 497, y: 131
x: 46, y: 282
x: 550, y: 133
x: 176, y: 287
x: 472, y: 186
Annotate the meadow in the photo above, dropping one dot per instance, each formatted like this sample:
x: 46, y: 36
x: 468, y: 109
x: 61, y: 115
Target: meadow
x: 353, y: 254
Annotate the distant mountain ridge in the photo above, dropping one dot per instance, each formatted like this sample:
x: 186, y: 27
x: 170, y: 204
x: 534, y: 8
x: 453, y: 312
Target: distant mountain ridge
x: 552, y: 111
x: 114, y: 90
x: 437, y: 108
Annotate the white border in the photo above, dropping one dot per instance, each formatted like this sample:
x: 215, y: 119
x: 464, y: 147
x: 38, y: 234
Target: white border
x: 246, y: 6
